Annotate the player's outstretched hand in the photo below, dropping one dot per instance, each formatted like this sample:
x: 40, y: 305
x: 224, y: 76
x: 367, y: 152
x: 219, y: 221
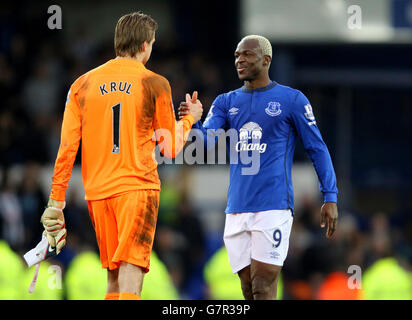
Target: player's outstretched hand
x: 329, y: 214
x: 192, y: 105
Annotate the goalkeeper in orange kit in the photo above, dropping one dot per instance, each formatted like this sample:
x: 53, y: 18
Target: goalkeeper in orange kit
x: 117, y: 110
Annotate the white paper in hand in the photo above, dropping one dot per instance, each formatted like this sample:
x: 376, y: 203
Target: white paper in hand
x: 41, y: 252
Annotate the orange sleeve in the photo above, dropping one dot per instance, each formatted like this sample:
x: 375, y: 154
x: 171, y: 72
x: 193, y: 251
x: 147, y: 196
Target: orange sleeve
x: 170, y: 134
x: 69, y: 144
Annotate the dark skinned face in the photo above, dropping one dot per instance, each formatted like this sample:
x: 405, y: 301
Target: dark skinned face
x: 249, y: 60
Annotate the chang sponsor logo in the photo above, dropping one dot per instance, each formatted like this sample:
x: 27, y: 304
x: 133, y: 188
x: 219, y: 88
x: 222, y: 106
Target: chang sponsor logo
x: 250, y: 131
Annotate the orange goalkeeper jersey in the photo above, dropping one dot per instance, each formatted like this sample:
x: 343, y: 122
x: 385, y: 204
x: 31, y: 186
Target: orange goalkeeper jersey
x: 115, y: 110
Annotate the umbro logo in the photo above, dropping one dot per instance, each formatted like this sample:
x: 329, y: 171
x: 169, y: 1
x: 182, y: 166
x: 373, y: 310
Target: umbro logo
x: 233, y: 111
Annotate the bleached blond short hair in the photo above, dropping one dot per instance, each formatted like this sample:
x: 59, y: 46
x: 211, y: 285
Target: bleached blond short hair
x: 264, y: 44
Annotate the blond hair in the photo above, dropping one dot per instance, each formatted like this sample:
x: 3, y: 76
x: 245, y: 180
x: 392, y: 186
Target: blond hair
x: 264, y: 44
x: 132, y: 30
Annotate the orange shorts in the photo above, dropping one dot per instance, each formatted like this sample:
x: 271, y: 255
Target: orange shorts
x: 125, y: 227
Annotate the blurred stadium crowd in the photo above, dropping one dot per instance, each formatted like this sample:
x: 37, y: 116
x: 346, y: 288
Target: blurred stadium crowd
x: 36, y: 73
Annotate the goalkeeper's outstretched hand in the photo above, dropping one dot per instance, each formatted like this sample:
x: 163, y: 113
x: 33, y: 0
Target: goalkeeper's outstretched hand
x: 54, y: 224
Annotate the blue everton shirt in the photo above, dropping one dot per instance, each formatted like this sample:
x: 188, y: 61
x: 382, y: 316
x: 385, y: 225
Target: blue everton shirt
x: 264, y: 126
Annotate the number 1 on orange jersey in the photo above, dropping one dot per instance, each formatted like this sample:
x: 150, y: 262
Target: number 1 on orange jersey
x: 116, y: 128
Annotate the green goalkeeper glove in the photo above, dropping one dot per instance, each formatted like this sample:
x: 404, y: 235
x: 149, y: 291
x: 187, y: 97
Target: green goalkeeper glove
x: 54, y: 225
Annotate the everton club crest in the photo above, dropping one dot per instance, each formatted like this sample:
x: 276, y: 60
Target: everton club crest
x: 273, y: 109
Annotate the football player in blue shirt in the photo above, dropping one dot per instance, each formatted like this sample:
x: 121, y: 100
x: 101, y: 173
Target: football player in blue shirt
x: 264, y: 119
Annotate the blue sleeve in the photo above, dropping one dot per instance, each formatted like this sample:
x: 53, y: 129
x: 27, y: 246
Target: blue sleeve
x: 215, y: 120
x: 305, y: 124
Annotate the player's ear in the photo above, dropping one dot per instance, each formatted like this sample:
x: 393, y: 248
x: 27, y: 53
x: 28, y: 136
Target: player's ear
x: 144, y: 46
x: 267, y: 60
